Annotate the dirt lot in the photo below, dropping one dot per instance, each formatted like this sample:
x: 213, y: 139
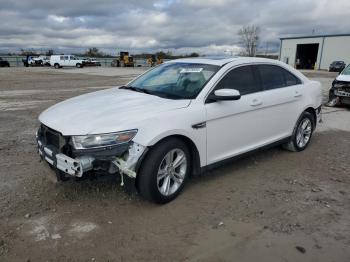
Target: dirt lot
x: 272, y: 206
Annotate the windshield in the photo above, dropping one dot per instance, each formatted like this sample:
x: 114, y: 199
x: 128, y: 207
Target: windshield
x: 346, y: 71
x: 175, y: 80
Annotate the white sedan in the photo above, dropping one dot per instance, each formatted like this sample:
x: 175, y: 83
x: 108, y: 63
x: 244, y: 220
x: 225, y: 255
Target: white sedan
x: 179, y: 119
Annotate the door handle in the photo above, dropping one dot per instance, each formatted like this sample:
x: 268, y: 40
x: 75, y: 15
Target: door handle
x: 256, y: 102
x: 297, y: 94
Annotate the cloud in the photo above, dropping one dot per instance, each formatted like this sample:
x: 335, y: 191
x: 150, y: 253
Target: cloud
x: 206, y: 26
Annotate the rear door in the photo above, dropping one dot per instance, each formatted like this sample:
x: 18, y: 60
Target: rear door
x: 282, y: 101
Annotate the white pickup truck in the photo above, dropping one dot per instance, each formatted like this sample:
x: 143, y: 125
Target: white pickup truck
x: 59, y: 61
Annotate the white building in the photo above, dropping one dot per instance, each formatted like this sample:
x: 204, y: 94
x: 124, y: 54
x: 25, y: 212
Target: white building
x: 316, y: 52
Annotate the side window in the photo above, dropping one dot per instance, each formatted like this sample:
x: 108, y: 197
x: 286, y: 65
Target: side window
x: 61, y: 57
x: 241, y: 79
x: 291, y: 79
x: 271, y: 77
x: 66, y: 57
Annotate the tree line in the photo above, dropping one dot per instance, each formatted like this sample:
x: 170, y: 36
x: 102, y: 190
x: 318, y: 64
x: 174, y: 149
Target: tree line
x: 249, y: 37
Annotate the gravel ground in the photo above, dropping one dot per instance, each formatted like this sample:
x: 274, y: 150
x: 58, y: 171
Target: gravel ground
x: 272, y: 206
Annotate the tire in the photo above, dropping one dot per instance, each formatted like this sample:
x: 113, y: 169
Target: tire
x: 297, y: 143
x: 57, y: 66
x: 78, y: 65
x: 61, y: 176
x: 156, y: 175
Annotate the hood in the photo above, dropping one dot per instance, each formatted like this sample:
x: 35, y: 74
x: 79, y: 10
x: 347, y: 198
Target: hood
x: 106, y: 111
x: 343, y: 78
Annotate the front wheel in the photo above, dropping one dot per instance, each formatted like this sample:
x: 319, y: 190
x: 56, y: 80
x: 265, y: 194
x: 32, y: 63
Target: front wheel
x: 78, y: 65
x: 302, y: 133
x: 164, y: 171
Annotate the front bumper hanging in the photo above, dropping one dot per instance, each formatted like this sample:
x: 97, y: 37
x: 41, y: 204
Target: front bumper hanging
x: 76, y: 167
x: 127, y: 165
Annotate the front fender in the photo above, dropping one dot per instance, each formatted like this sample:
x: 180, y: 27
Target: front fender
x: 197, y: 137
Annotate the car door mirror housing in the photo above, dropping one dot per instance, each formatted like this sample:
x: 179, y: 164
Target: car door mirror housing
x: 225, y: 94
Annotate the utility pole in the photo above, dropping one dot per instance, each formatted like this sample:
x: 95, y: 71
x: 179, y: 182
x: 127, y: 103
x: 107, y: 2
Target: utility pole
x: 267, y: 48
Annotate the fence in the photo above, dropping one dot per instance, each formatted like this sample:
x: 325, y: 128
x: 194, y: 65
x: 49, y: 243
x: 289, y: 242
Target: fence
x: 16, y: 61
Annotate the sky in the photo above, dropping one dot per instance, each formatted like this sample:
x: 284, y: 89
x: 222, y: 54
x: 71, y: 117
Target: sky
x: 208, y: 27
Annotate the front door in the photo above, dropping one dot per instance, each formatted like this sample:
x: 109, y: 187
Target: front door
x: 234, y: 127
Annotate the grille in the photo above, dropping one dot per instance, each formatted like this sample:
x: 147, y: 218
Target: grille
x: 50, y: 137
x: 345, y: 84
x: 347, y: 89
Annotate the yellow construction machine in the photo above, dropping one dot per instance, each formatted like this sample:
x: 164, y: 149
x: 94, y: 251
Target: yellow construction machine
x: 124, y: 60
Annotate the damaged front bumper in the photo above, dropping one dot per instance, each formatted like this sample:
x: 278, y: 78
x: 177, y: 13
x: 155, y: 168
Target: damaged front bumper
x: 339, y: 93
x: 123, y: 160
x: 128, y: 164
x: 71, y: 166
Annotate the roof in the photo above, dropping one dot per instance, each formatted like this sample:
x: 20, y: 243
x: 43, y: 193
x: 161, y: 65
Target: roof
x: 313, y: 36
x: 220, y: 61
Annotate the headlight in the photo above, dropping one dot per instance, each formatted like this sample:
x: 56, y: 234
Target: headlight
x: 336, y: 84
x: 103, y: 140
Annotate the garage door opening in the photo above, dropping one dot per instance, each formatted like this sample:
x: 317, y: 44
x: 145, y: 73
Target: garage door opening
x: 306, y: 56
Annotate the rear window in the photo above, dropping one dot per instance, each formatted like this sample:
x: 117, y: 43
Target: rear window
x: 291, y: 79
x: 273, y: 77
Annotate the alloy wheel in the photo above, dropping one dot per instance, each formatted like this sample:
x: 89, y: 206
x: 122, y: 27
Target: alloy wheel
x: 171, y: 172
x: 304, y: 132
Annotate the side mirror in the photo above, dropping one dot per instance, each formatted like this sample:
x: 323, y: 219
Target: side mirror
x: 225, y: 95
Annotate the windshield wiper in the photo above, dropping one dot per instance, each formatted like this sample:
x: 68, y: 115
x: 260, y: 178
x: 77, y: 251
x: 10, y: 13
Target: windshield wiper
x: 155, y: 93
x: 136, y: 89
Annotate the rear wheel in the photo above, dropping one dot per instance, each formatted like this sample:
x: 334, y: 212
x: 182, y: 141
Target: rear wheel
x: 78, y: 65
x: 302, y: 133
x: 164, y: 171
x: 57, y: 66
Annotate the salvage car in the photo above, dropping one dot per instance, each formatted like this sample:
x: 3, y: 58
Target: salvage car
x: 36, y: 61
x: 340, y: 90
x: 42, y: 60
x: 337, y: 66
x: 91, y: 62
x: 4, y: 63
x: 179, y: 119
